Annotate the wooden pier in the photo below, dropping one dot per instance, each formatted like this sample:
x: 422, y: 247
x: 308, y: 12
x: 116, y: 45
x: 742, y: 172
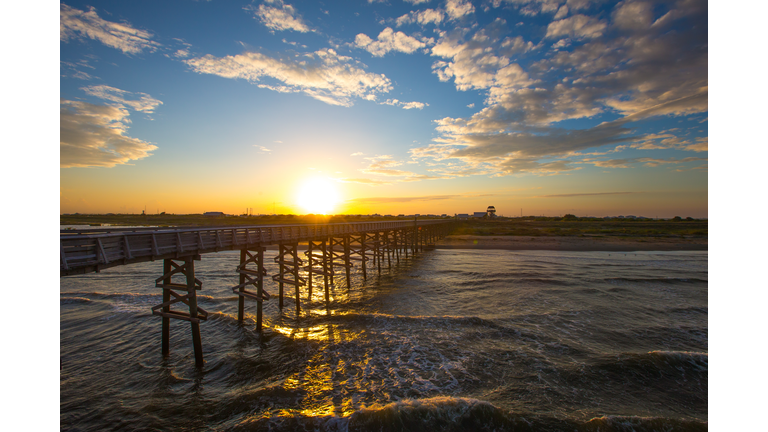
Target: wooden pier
x: 330, y: 247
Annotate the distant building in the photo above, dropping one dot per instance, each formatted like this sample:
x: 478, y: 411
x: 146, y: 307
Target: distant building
x: 213, y: 214
x: 462, y: 216
x: 491, y: 211
x: 479, y: 215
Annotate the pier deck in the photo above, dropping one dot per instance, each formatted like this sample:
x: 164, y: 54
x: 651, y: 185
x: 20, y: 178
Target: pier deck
x: 329, y: 245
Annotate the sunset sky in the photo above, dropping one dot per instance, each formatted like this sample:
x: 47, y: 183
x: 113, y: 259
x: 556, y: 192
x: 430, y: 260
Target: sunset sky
x: 550, y: 106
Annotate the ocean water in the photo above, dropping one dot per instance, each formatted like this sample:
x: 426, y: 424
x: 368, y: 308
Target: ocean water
x: 448, y: 340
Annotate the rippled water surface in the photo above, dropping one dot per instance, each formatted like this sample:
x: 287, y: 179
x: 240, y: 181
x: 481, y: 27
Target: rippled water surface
x: 449, y: 340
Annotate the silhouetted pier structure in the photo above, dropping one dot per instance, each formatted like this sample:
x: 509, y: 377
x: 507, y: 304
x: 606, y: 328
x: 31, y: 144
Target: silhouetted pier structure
x: 330, y: 246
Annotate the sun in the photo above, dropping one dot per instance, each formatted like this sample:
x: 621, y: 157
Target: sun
x: 318, y: 195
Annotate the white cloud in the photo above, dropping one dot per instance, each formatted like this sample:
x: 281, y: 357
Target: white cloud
x: 562, y: 12
x: 369, y: 182
x: 535, y: 7
x: 578, y: 26
x: 416, y: 2
x: 458, y: 8
x: 633, y: 15
x: 357, y: 154
x: 323, y: 75
x: 405, y: 105
x: 701, y: 145
x: 280, y: 16
x: 262, y: 148
x: 562, y: 43
x: 144, y: 103
x: 473, y: 64
x: 75, y: 24
x: 649, y: 162
x: 94, y: 136
x: 510, y: 145
x: 427, y: 16
x: 82, y: 75
x: 511, y: 46
x: 388, y: 40
x: 642, y: 74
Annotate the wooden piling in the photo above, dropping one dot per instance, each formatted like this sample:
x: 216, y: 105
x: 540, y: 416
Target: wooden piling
x: 346, y: 260
x: 170, y: 297
x: 196, y: 341
x: 295, y: 255
x: 240, y: 298
x: 362, y: 254
x: 327, y: 261
x: 281, y: 264
x: 166, y: 335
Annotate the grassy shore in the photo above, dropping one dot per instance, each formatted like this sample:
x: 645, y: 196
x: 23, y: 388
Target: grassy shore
x: 584, y: 227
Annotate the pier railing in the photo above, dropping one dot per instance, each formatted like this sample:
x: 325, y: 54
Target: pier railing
x: 85, y: 251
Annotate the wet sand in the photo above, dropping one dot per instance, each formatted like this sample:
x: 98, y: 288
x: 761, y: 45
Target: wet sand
x: 587, y: 243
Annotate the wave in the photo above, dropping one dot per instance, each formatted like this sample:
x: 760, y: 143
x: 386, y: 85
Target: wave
x: 704, y: 310
x: 74, y: 300
x: 451, y: 414
x: 128, y: 295
x: 667, y: 280
x: 658, y: 364
x: 418, y: 319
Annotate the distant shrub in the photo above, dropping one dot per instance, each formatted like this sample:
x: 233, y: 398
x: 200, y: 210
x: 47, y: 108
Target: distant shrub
x: 677, y: 219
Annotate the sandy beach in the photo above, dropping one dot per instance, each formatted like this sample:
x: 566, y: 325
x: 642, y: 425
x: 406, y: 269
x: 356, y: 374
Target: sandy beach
x: 617, y: 244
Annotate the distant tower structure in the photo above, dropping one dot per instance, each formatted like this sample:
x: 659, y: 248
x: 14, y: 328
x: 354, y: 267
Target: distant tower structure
x: 491, y: 210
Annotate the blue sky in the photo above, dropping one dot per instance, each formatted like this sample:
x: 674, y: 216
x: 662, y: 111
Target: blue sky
x: 588, y: 107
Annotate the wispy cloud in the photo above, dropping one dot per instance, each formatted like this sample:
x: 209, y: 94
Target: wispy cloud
x: 389, y: 40
x: 424, y: 17
x: 276, y: 15
x: 585, y: 194
x: 579, y: 26
x: 77, y: 24
x: 405, y: 105
x: 371, y: 182
x: 638, y: 73
x: 262, y: 148
x: 649, y: 162
x: 379, y: 200
x: 323, y: 75
x: 141, y: 102
x: 95, y: 136
x: 458, y: 8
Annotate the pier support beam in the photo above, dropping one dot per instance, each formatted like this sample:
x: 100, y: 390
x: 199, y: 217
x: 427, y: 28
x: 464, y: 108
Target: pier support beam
x: 361, y: 251
x: 347, y: 264
x: 254, y: 277
x: 318, y: 258
x: 186, y: 267
x: 289, y: 265
x: 339, y: 255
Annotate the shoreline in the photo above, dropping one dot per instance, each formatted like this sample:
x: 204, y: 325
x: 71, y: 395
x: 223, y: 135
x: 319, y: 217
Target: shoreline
x: 583, y: 244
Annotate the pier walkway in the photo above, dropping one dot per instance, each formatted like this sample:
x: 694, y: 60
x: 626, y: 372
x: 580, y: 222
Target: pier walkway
x: 330, y: 246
